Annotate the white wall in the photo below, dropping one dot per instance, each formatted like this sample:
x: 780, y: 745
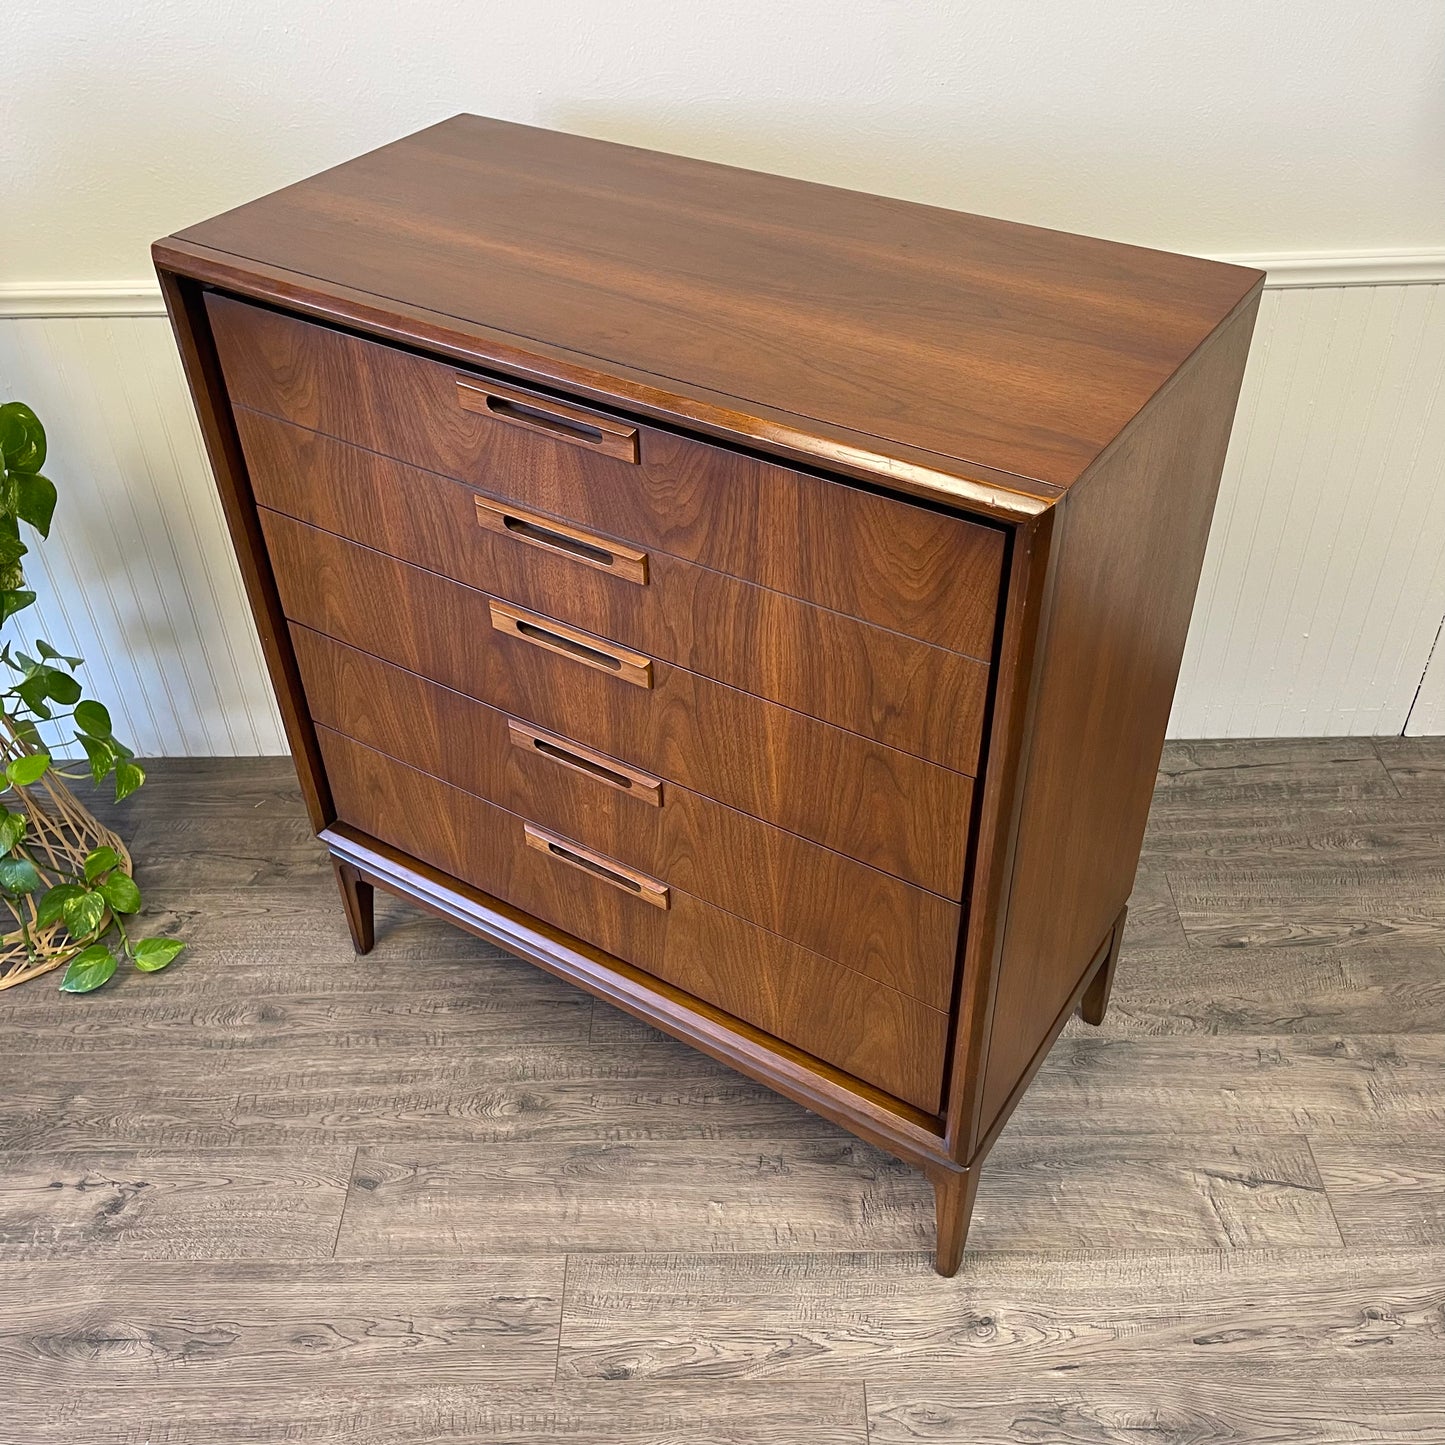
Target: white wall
x: 1204, y: 125
x: 1295, y: 130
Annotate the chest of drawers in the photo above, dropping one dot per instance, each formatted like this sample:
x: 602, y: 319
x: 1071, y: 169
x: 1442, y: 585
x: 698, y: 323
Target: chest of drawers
x: 757, y: 603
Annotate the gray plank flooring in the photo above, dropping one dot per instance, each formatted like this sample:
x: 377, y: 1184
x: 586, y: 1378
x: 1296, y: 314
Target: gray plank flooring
x: 281, y: 1194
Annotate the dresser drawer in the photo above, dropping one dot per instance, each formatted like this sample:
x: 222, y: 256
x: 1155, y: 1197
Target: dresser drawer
x: 925, y: 573
x: 869, y: 1030
x: 871, y: 921
x: 881, y: 806
x: 909, y: 694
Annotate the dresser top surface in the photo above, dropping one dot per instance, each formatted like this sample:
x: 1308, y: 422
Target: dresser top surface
x: 1017, y: 353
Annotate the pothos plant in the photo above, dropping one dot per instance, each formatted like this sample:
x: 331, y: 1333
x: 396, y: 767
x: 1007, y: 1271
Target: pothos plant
x: 76, y: 898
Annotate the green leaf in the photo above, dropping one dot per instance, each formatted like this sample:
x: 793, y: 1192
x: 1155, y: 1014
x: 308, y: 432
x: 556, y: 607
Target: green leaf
x: 18, y: 875
x: 13, y: 601
x: 92, y: 718
x: 33, y: 692
x: 82, y: 914
x: 98, y: 861
x: 50, y: 909
x: 119, y: 890
x: 153, y: 954
x: 12, y: 549
x: 102, y: 759
x: 47, y: 651
x: 35, y: 501
x: 22, y: 438
x: 24, y: 771
x: 88, y: 969
x: 128, y: 777
x: 12, y: 829
x: 62, y: 687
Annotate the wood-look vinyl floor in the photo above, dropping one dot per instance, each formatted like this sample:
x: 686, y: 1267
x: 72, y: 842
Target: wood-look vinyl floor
x: 281, y: 1194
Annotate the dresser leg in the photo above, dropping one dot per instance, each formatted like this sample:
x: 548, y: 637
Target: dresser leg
x: 953, y: 1192
x: 1095, y: 1002
x: 357, y: 897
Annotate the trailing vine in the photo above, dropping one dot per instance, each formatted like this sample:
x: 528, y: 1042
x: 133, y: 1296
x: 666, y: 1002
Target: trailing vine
x: 82, y: 904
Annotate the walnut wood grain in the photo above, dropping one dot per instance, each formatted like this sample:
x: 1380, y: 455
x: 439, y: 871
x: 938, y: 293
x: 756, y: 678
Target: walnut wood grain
x: 535, y: 530
x: 924, y: 573
x: 569, y: 642
x: 186, y: 307
x: 577, y: 855
x: 919, y: 698
x: 581, y: 426
x: 869, y: 920
x: 1021, y: 350
x: 881, y: 806
x: 1126, y: 570
x: 563, y: 751
x: 871, y: 1031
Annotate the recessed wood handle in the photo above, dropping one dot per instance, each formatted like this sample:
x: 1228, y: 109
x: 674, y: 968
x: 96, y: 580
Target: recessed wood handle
x: 585, y: 547
x: 564, y: 850
x: 583, y: 760
x: 567, y: 641
x: 557, y: 419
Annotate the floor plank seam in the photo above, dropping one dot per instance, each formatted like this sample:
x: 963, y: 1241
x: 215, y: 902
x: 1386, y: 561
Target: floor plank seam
x: 1325, y: 1190
x: 1394, y: 783
x: 345, y: 1200
x: 561, y: 1322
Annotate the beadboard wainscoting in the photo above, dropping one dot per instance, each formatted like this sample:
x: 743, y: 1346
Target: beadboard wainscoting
x: 1321, y: 602
x: 1324, y: 583
x: 138, y: 575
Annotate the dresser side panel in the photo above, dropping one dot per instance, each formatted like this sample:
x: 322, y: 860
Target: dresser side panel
x: 1128, y: 551
x: 185, y: 305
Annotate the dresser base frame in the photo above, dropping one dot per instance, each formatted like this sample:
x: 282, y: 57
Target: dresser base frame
x: 362, y: 865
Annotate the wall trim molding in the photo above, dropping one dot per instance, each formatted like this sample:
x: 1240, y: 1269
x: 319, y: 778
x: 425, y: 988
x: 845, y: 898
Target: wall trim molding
x: 81, y: 298
x: 1285, y: 268
x: 1347, y: 268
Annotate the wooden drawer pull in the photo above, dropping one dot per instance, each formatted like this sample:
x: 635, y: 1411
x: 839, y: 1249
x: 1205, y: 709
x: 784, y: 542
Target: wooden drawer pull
x: 581, y: 647
x: 574, y: 854
x: 595, y: 765
x: 557, y: 419
x: 584, y: 547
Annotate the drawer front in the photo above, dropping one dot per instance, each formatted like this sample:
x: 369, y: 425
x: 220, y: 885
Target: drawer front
x: 869, y: 920
x: 872, y: 1032
x: 927, y: 574
x: 908, y: 694
x: 881, y: 806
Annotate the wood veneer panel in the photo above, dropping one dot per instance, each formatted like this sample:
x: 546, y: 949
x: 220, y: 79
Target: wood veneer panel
x: 872, y: 1031
x: 1128, y: 550
x: 921, y: 572
x: 878, y: 805
x: 869, y: 920
x: 881, y: 684
x: 1022, y: 350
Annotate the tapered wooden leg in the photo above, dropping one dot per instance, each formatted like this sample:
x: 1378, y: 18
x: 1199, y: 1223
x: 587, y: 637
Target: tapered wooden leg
x: 953, y: 1193
x: 357, y: 897
x: 1095, y: 1002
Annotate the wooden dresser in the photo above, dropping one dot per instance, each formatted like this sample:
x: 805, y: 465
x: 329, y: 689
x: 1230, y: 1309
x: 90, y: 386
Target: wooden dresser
x: 756, y: 602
